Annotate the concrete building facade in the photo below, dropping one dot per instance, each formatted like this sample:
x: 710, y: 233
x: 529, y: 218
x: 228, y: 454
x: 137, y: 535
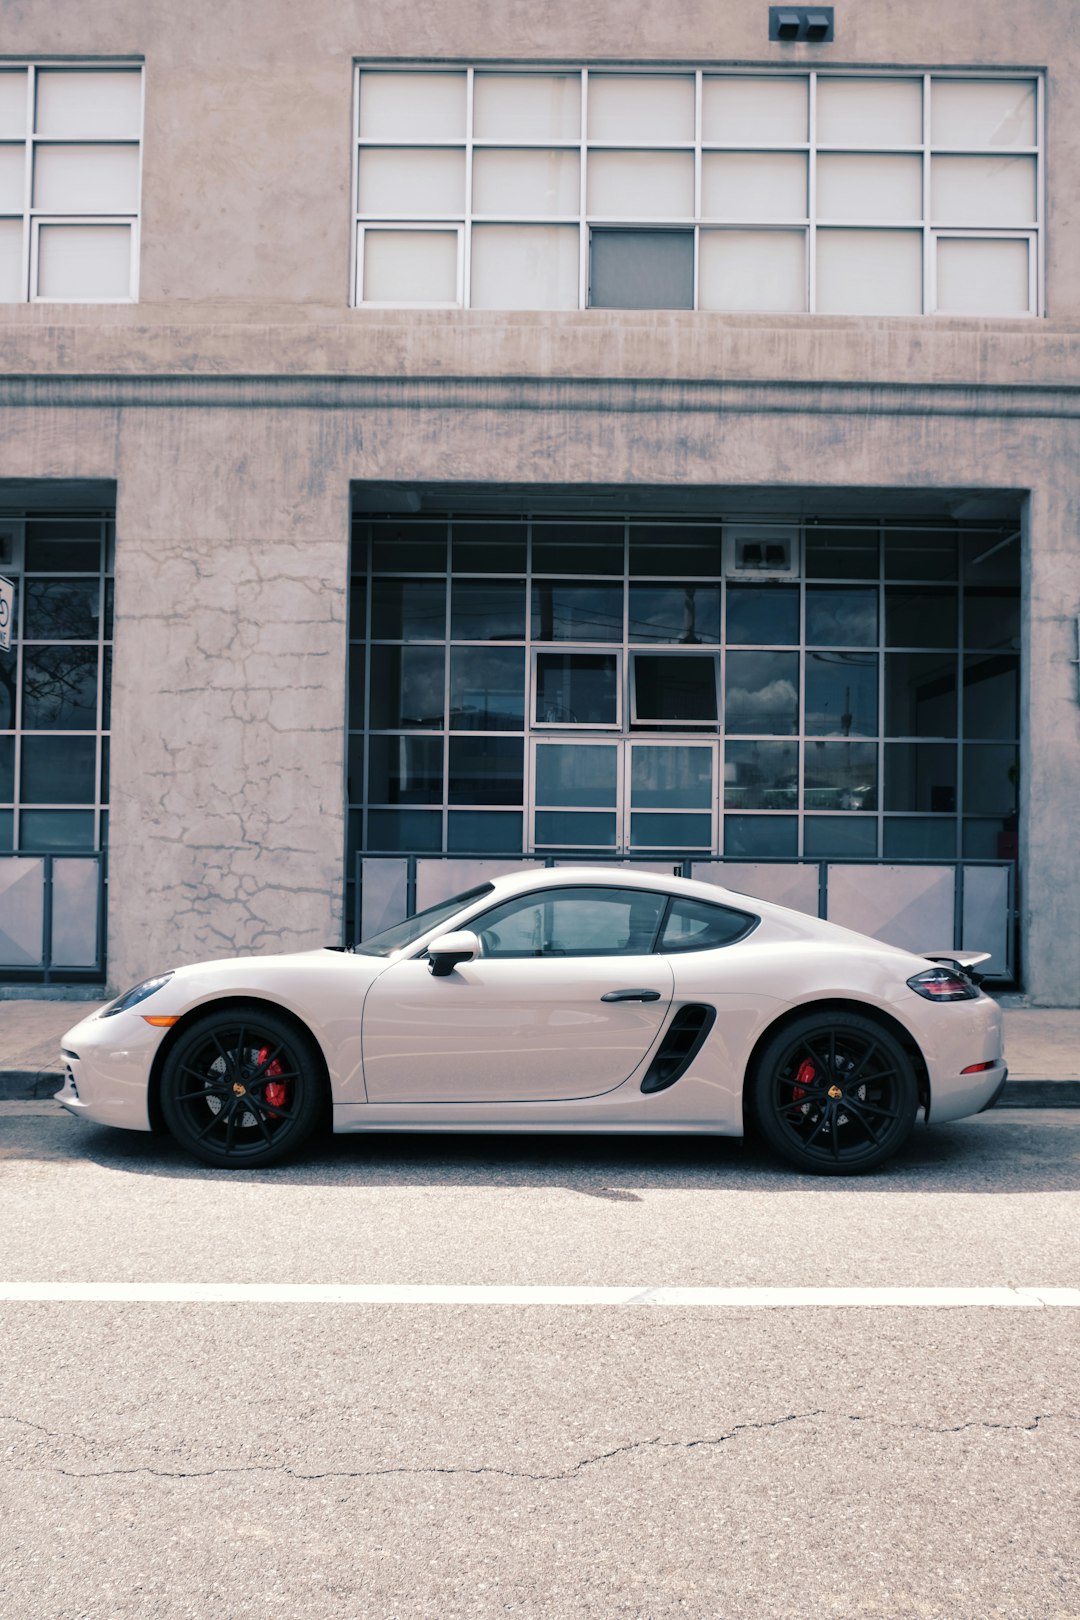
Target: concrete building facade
x: 254, y: 355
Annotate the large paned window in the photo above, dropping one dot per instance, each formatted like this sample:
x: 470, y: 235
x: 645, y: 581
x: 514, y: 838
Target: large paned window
x: 69, y: 183
x: 54, y: 684
x: 841, y: 193
x: 541, y: 686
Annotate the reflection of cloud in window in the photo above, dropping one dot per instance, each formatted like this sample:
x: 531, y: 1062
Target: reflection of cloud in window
x: 845, y: 623
x: 768, y: 708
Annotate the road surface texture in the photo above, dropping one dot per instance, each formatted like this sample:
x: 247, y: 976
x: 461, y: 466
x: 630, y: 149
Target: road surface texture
x: 470, y: 1448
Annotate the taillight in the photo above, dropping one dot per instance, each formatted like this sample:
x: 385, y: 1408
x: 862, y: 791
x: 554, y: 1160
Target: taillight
x: 943, y: 984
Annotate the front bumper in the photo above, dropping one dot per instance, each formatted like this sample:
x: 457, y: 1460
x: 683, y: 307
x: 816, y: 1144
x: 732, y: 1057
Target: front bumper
x: 106, y: 1064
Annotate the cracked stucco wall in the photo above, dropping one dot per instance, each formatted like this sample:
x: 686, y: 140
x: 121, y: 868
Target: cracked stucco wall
x: 227, y: 830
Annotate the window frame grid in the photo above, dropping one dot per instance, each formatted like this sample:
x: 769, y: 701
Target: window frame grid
x: 33, y: 216
x: 102, y: 644
x: 626, y: 735
x: 930, y: 231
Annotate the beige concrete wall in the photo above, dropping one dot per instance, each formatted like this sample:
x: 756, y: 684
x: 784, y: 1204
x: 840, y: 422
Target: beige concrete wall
x: 248, y: 108
x: 237, y: 400
x: 227, y: 800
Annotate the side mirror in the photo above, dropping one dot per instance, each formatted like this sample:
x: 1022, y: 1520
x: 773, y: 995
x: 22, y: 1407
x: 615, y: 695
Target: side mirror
x: 445, y: 952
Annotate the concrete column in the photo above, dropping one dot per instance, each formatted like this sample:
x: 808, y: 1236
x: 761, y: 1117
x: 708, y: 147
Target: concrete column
x: 1050, y: 743
x: 226, y: 826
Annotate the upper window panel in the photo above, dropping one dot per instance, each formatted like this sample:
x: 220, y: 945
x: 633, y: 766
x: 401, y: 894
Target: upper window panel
x: 801, y: 191
x: 70, y: 159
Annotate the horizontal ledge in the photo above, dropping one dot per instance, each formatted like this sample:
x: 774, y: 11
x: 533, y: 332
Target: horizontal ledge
x: 174, y: 1293
x: 601, y: 395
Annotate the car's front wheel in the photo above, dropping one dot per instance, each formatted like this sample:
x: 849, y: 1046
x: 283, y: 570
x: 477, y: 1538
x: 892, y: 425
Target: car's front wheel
x: 242, y: 1090
x: 835, y: 1093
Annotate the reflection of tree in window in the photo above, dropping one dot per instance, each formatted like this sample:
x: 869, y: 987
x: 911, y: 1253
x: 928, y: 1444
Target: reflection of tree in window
x: 59, y: 688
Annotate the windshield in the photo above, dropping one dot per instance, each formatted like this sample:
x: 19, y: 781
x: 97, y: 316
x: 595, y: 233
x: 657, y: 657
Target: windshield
x: 404, y: 933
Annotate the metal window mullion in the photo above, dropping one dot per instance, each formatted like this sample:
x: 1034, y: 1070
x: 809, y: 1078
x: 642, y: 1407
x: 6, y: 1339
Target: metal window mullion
x: 356, y: 290
x: 1036, y: 271
x: 698, y: 121
x: 881, y: 690
x: 446, y: 646
x: 466, y: 271
x: 583, y: 230
x: 811, y: 228
x: 929, y: 267
x: 28, y: 175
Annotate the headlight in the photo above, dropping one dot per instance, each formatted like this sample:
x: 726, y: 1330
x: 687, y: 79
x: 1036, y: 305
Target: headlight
x: 943, y: 984
x: 132, y: 997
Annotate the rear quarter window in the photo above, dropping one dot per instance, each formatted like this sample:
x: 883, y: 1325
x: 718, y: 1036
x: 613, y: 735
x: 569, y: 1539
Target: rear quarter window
x: 695, y: 925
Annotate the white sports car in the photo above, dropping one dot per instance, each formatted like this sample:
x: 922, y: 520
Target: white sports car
x: 568, y: 999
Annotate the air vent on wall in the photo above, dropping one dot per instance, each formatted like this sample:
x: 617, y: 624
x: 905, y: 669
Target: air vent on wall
x: 761, y: 551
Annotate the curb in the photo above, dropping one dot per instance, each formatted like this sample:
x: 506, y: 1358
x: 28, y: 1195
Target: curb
x: 30, y: 1085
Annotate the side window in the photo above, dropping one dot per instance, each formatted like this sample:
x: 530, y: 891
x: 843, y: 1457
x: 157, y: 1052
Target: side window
x: 694, y: 925
x: 573, y: 922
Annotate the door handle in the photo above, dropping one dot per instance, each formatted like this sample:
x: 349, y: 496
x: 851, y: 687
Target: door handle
x: 631, y: 995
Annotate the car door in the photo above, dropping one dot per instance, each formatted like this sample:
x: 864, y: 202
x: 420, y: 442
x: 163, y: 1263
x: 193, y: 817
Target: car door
x: 565, y: 1001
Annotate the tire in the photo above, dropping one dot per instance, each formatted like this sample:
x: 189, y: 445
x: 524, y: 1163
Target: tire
x: 835, y: 1094
x: 242, y: 1089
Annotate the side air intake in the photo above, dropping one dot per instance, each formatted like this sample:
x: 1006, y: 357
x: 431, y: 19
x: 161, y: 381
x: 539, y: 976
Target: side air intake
x: 680, y: 1046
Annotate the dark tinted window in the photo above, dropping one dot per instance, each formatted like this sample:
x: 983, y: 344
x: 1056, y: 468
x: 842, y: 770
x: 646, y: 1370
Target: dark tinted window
x: 695, y: 925
x: 573, y: 922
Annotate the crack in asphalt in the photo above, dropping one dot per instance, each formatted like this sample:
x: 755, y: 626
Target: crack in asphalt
x: 567, y: 1473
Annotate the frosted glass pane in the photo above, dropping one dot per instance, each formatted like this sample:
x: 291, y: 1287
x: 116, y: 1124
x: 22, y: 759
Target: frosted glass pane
x: 412, y: 180
x: 12, y: 179
x: 12, y: 289
x: 88, y: 103
x: 982, y: 112
x: 868, y: 186
x: 84, y: 261
x: 412, y: 106
x: 982, y: 277
x: 753, y: 185
x: 747, y: 270
x: 525, y: 267
x: 982, y: 190
x: 527, y: 106
x: 869, y: 272
x: 411, y: 267
x: 869, y: 112
x: 747, y: 111
x: 525, y: 182
x: 87, y: 179
x: 13, y: 102
x: 641, y: 185
x: 641, y: 107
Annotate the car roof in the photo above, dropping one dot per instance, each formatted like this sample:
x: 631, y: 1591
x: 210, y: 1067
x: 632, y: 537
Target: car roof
x: 616, y: 877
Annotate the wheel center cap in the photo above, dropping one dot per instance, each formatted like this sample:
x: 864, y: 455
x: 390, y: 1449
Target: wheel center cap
x: 834, y: 1092
x: 240, y: 1090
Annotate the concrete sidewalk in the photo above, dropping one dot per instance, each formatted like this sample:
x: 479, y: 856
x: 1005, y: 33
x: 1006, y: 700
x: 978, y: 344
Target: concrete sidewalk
x: 1042, y: 1048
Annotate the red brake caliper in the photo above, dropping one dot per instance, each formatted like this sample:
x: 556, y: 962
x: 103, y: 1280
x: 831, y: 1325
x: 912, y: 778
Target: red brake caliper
x: 805, y: 1073
x: 274, y: 1090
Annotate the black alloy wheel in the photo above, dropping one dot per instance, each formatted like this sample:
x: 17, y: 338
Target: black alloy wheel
x: 835, y: 1094
x: 241, y: 1090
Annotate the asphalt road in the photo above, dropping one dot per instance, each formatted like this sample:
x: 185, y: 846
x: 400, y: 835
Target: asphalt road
x: 238, y: 1459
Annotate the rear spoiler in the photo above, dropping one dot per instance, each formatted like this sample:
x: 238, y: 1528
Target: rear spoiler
x: 962, y: 961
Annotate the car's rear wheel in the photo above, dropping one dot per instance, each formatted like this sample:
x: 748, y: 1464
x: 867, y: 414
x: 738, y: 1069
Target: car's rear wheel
x: 241, y: 1089
x: 835, y: 1093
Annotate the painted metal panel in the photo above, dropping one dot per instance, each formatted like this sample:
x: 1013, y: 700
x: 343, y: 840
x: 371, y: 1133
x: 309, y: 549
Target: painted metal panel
x: 909, y: 906
x: 22, y: 911
x: 74, y: 913
x: 384, y: 895
x: 794, y: 885
x: 438, y: 880
x: 985, y: 923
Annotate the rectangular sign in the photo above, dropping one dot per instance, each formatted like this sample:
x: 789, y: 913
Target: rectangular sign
x: 7, y: 614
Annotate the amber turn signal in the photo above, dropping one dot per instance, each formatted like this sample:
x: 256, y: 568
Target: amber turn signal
x: 161, y: 1020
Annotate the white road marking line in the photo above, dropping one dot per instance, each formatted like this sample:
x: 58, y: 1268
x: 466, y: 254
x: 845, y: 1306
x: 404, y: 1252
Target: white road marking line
x: 178, y: 1293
